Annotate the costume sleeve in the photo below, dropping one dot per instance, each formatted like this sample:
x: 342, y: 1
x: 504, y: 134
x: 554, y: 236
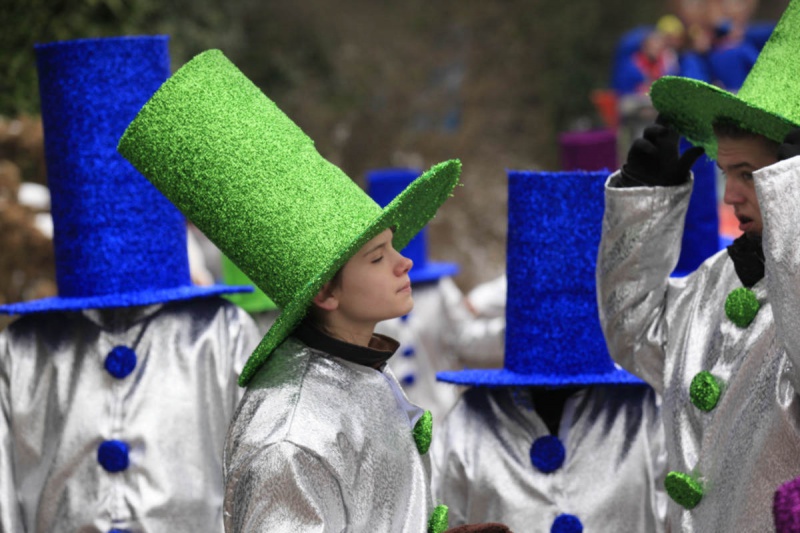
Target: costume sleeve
x: 10, y: 519
x: 778, y: 190
x: 640, y: 246
x: 476, y: 341
x: 283, y: 489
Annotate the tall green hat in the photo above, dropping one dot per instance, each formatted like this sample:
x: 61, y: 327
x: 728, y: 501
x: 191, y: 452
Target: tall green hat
x: 768, y: 102
x: 254, y: 184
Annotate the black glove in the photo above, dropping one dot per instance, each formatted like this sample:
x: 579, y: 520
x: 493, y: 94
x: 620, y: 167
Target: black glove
x: 790, y: 146
x: 653, y: 159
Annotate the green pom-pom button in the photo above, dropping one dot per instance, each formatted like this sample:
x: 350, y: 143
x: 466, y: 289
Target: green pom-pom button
x: 705, y: 391
x: 423, y: 432
x: 684, y: 490
x: 741, y: 306
x: 438, y: 521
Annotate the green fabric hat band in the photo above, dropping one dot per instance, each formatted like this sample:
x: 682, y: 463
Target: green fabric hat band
x: 253, y: 183
x: 768, y: 102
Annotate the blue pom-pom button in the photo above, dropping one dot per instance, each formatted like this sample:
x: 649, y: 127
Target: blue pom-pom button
x: 566, y: 523
x: 113, y: 455
x: 408, y: 379
x: 120, y: 362
x: 408, y: 351
x: 547, y: 454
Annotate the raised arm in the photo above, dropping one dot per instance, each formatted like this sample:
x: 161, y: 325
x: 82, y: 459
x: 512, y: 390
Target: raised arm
x: 646, y: 203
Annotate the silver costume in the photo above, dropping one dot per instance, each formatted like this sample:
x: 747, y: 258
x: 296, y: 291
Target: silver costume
x: 611, y: 477
x: 440, y: 334
x: 322, y: 444
x: 668, y: 330
x: 60, y: 404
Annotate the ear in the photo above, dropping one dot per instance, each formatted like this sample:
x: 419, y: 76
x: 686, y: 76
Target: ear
x: 326, y: 299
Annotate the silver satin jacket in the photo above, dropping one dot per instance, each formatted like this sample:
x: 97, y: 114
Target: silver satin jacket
x: 441, y: 334
x: 668, y: 330
x: 320, y: 444
x: 611, y: 477
x: 59, y: 404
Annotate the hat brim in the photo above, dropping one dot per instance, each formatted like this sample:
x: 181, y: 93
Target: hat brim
x: 692, y: 106
x: 408, y: 213
x: 131, y: 299
x: 481, y: 377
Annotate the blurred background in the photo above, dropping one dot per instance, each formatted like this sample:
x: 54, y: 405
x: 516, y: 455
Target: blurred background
x: 508, y: 84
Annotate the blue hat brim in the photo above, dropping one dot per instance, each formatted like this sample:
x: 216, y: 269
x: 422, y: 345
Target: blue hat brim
x: 133, y: 299
x: 501, y: 377
x: 432, y: 272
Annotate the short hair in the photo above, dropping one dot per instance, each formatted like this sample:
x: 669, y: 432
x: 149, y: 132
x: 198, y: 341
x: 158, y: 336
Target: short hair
x: 727, y: 128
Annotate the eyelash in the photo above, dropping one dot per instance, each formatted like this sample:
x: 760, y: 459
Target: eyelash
x: 378, y: 260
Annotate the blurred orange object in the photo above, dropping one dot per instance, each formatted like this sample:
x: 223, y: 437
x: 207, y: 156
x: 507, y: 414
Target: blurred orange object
x: 605, y: 101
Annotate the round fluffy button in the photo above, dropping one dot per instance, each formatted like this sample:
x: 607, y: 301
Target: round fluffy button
x: 408, y: 379
x: 683, y: 489
x: 113, y: 455
x: 423, y: 432
x: 547, y: 454
x: 705, y: 391
x: 741, y: 306
x: 120, y: 362
x: 566, y: 523
x: 438, y: 521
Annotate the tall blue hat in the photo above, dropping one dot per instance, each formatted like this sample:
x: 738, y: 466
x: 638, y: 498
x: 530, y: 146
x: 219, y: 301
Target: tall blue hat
x: 118, y: 241
x: 383, y: 185
x: 553, y: 335
x: 701, y: 237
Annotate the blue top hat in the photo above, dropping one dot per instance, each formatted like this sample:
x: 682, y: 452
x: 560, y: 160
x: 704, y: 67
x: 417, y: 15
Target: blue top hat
x: 553, y: 335
x: 118, y: 241
x: 382, y: 186
x: 701, y: 238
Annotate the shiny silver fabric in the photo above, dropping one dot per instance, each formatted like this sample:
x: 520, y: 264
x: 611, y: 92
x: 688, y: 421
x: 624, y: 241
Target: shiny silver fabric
x: 667, y: 330
x: 611, y: 478
x: 441, y: 334
x: 59, y: 404
x: 325, y: 445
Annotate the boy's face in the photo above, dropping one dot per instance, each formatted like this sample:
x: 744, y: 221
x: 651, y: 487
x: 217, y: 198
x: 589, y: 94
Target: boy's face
x: 738, y: 159
x: 374, y: 283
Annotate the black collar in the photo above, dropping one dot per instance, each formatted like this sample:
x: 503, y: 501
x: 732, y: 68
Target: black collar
x: 748, y: 259
x: 381, y: 347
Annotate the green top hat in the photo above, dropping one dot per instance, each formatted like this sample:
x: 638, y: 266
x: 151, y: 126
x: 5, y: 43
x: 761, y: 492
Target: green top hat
x: 768, y: 102
x: 254, y: 184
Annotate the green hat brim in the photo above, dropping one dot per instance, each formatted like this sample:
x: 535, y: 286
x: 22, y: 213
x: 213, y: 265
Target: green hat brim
x: 408, y: 213
x: 692, y: 106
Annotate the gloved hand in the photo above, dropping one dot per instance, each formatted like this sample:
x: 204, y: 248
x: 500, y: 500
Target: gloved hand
x: 489, y: 527
x: 790, y: 146
x: 653, y: 159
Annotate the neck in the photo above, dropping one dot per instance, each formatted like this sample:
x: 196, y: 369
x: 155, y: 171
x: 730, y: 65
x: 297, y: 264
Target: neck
x: 357, y: 333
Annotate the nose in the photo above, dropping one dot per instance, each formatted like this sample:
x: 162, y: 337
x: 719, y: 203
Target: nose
x: 404, y: 264
x: 733, y: 192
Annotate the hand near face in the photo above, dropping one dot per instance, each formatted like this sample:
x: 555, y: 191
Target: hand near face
x: 653, y: 159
